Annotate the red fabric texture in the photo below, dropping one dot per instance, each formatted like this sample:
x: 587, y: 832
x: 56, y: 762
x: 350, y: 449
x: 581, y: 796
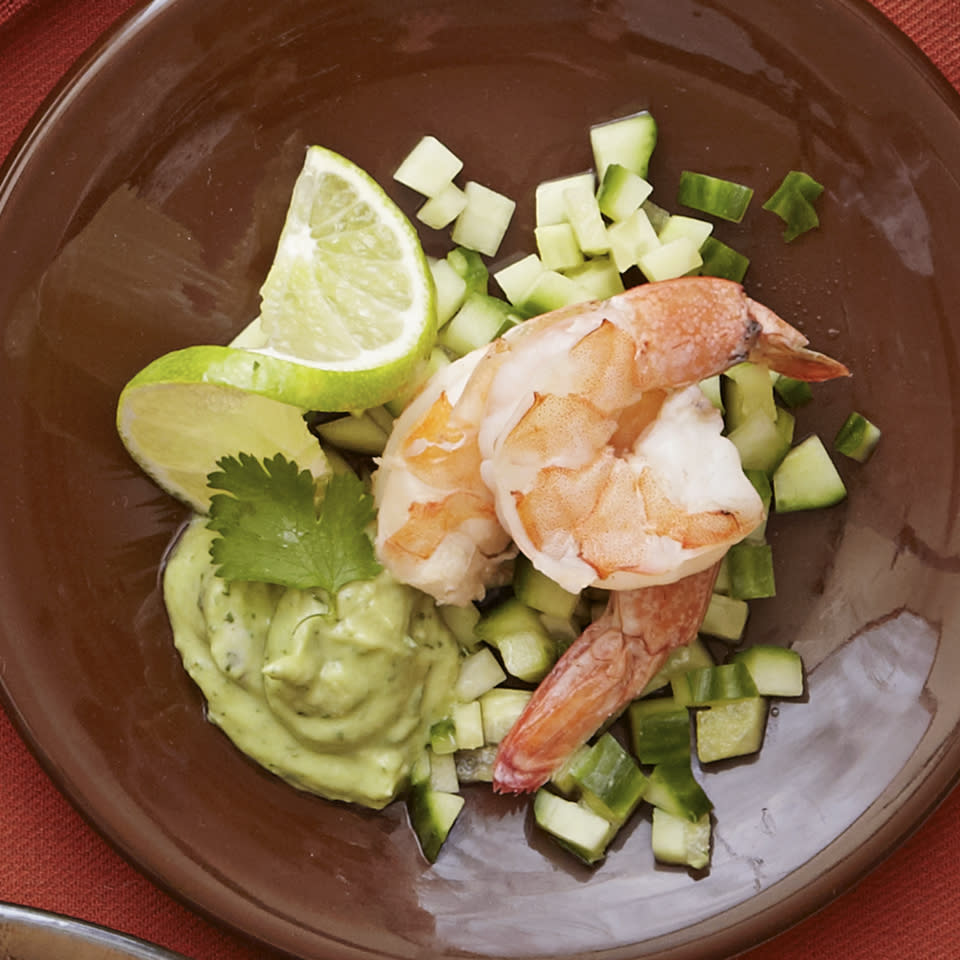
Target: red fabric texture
x: 907, y: 909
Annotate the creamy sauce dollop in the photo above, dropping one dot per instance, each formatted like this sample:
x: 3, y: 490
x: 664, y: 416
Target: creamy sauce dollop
x: 338, y: 702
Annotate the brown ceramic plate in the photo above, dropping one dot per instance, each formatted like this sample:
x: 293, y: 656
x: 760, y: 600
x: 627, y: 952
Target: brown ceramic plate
x: 140, y: 214
x: 29, y: 934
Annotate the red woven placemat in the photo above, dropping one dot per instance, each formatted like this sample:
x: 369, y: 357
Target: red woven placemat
x: 908, y: 909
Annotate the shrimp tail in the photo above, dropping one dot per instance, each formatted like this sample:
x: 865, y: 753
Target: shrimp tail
x: 784, y: 349
x: 605, y: 668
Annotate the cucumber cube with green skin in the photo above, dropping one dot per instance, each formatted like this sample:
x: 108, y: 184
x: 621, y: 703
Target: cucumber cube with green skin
x: 518, y: 634
x: 462, y: 623
x: 720, y: 260
x: 562, y: 778
x: 475, y: 324
x: 680, y: 660
x: 713, y: 195
x: 747, y: 388
x: 629, y: 141
x: 359, y: 434
x: 550, y: 291
x: 678, y: 226
x: 751, y: 571
x: 432, y: 814
x: 760, y: 441
x: 443, y: 773
x: 621, y: 192
x: 672, y: 786
x: 761, y: 483
x: 470, y: 266
x: 573, y: 825
x: 776, y: 671
x: 726, y: 618
x: 675, y: 840
x: 537, y: 590
x: 451, y: 289
x: 732, y: 729
x: 500, y: 709
x: 598, y: 276
x: 794, y: 393
x: 443, y: 736
x: 659, y: 730
x: 712, y: 390
x: 707, y: 686
x: 857, y: 438
x: 807, y: 478
x: 583, y: 214
x: 479, y: 672
x: 609, y: 779
x: 671, y: 260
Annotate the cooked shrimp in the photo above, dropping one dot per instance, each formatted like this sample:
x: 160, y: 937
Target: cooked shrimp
x: 575, y: 437
x: 600, y: 673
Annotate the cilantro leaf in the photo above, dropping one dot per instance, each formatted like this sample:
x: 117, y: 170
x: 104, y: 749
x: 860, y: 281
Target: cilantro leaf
x: 271, y: 531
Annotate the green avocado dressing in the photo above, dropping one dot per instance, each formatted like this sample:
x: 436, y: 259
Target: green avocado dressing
x: 338, y: 703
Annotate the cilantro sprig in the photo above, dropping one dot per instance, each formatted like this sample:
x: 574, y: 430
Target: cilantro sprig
x: 272, y: 530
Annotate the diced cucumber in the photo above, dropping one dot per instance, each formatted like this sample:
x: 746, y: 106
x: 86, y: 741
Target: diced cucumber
x: 672, y: 786
x: 794, y: 393
x: 548, y: 197
x: 432, y: 813
x: 359, y: 433
x: 550, y: 291
x: 712, y: 390
x: 573, y: 825
x: 714, y: 195
x: 476, y: 323
x: 692, y: 228
x: 476, y: 766
x: 517, y: 633
x: 518, y: 277
x: 732, y: 729
x: 760, y: 441
x: 479, y: 672
x: 484, y: 220
x: 659, y: 730
x: 442, y: 209
x: 707, y: 686
x: 609, y: 779
x: 671, y: 260
x: 793, y: 201
x: 562, y: 779
x: 443, y: 773
x: 691, y: 655
x: 776, y: 671
x: 451, y: 289
x: 621, y: 192
x: 726, y: 618
x: 675, y: 840
x: 629, y: 141
x: 443, y: 736
x: 746, y: 389
x: 761, y: 483
x: 500, y: 709
x: 857, y: 438
x: 630, y: 239
x: 557, y: 246
x: 420, y: 771
x: 720, y: 260
x: 468, y: 725
x: 537, y: 590
x: 751, y: 571
x: 598, y: 276
x: 656, y: 214
x: 429, y: 167
x: 462, y: 623
x: 585, y: 218
x: 722, y: 583
x: 807, y: 478
x: 469, y: 264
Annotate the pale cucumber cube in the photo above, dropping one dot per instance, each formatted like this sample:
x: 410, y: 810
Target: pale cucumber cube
x: 443, y: 773
x: 678, y: 226
x: 628, y: 141
x: 732, y: 729
x: 726, y: 617
x: 451, y: 290
x: 479, y: 672
x: 599, y: 276
x: 657, y: 215
x: 630, y: 239
x: 548, y: 197
x: 674, y: 259
x: 468, y: 725
x: 517, y: 278
x: 550, y: 291
x: 676, y: 840
x: 429, y: 167
x: 585, y: 218
x: 441, y: 210
x: 484, y: 220
x: 558, y: 246
x: 500, y: 709
x: 621, y: 192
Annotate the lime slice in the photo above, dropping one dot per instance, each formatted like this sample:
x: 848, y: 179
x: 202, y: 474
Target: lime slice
x: 187, y: 409
x: 349, y: 291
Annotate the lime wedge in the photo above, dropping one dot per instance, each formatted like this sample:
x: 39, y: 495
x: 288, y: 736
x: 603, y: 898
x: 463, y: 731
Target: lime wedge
x: 187, y: 409
x: 349, y: 290
x: 347, y: 316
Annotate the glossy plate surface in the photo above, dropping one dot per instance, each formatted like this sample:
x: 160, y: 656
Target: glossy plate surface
x: 141, y: 215
x: 28, y: 934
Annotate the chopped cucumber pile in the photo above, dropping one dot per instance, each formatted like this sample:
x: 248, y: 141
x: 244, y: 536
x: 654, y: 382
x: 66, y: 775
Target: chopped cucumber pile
x: 596, y: 232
